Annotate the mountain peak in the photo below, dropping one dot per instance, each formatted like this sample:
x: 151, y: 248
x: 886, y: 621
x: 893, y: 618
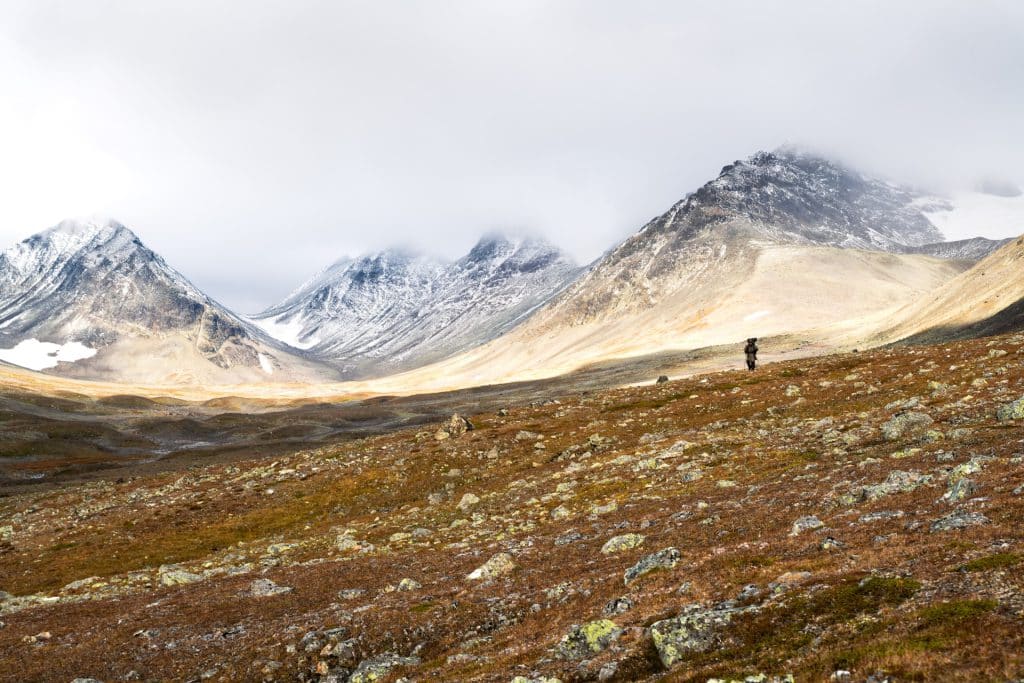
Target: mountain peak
x: 87, y: 228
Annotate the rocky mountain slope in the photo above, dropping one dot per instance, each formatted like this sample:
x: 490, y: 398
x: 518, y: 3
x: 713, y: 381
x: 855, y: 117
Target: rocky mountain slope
x: 398, y: 309
x: 853, y: 517
x: 780, y: 243
x: 92, y: 295
x: 973, y: 249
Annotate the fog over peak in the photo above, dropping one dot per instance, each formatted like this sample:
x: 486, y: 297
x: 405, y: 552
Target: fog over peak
x: 254, y: 143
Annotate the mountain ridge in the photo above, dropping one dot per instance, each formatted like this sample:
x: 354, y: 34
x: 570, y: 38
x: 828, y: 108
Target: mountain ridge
x: 398, y: 308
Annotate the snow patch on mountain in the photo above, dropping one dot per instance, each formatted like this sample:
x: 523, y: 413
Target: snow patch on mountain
x: 286, y: 331
x: 36, y: 355
x: 979, y: 214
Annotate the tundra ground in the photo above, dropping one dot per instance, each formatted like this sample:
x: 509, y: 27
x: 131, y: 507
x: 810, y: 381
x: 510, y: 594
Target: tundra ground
x: 849, y: 516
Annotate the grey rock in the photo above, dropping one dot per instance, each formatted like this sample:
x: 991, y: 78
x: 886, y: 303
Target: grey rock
x: 374, y: 669
x: 584, y: 641
x: 697, y: 629
x: 664, y: 559
x: 906, y: 424
x: 262, y: 588
x: 1011, y: 411
x: 805, y: 524
x: 960, y: 519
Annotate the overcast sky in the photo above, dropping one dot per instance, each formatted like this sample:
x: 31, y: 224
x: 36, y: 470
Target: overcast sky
x: 251, y: 143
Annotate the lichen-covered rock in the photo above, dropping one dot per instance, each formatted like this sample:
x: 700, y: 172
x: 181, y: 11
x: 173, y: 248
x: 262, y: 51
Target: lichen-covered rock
x: 898, y: 481
x: 345, y: 543
x: 588, y: 639
x: 1011, y: 411
x: 408, y: 584
x: 803, y: 524
x: 377, y: 668
x: 624, y: 542
x: 697, y: 629
x: 173, y: 576
x: 959, y: 520
x: 906, y: 424
x: 499, y: 565
x: 661, y: 560
x: 959, y: 490
x: 539, y: 679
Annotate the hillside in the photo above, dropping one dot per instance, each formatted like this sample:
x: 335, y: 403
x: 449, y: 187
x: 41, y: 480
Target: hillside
x: 853, y: 513
x: 987, y: 299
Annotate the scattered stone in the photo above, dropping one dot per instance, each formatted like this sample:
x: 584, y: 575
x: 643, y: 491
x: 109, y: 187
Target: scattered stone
x: 906, y: 424
x: 409, y: 585
x: 880, y: 516
x: 696, y: 630
x: 1011, y: 411
x: 898, y: 481
x: 618, y: 544
x: 173, y: 576
x: 499, y: 565
x: 468, y: 501
x: 571, y: 536
x: 560, y: 512
x: 617, y: 606
x: 960, y: 519
x: 664, y: 559
x: 831, y: 544
x: 959, y: 490
x: 806, y: 524
x: 377, y: 668
x: 524, y: 435
x: 261, y: 588
x: 454, y: 428
x: 351, y: 593
x: 587, y: 640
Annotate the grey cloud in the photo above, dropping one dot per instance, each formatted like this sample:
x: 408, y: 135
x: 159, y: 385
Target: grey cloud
x: 253, y: 143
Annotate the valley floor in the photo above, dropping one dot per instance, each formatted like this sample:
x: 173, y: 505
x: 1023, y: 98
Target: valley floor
x: 852, y: 516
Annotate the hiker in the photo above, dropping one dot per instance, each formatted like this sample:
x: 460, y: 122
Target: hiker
x: 751, y: 351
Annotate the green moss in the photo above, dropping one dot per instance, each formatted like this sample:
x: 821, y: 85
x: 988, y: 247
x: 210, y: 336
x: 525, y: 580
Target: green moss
x: 851, y: 599
x: 955, y: 613
x: 997, y: 561
x: 422, y: 607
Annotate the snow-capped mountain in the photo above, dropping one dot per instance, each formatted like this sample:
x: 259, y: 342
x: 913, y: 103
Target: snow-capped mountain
x: 399, y: 309
x: 704, y: 240
x: 92, y: 294
x: 781, y: 243
x: 800, y: 197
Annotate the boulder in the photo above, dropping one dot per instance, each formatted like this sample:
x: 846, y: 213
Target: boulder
x: 697, y: 629
x: 588, y: 639
x: 624, y: 542
x: 1011, y: 411
x: 906, y: 424
x: 664, y: 559
x: 499, y: 565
